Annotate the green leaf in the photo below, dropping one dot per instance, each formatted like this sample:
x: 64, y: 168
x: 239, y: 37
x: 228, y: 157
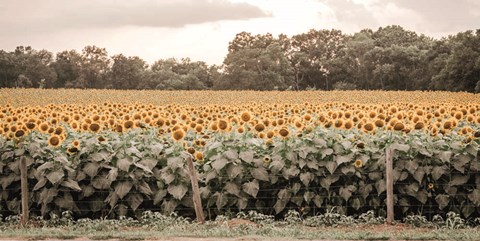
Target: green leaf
x: 458, y: 180
x: 411, y: 166
x: 112, y: 175
x: 149, y: 163
x: 134, y: 200
x: 308, y: 196
x: 71, y: 184
x: 419, y: 174
x: 233, y: 170
x: 277, y: 164
x: 292, y: 171
x: 467, y: 210
x: 122, y: 188
x: 326, y: 152
x: 221, y: 201
x: 91, y: 169
x: 328, y: 180
x: 442, y: 201
x: 346, y: 192
x: 348, y: 169
x: 260, y: 173
x: 45, y: 166
x: 460, y: 161
x: 343, y: 159
x: 219, y: 164
x: 159, y: 195
x: 306, y: 178
x: 144, y: 188
x: 438, y: 172
x: 380, y: 186
x: 422, y: 196
x: 246, y: 156
x: 400, y: 147
x: 279, y: 205
x: 177, y: 191
x: 100, y: 156
x: 445, y: 156
x: 41, y: 183
x: 331, y: 166
x: 474, y: 196
x: 55, y: 176
x: 101, y: 182
x: 356, y: 203
x: 232, y: 188
x: 251, y: 188
x: 124, y: 164
x: 318, y: 200
x: 231, y: 154
x: 174, y: 163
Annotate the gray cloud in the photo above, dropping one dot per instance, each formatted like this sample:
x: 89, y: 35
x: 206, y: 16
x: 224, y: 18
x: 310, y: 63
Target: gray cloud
x: 435, y: 17
x: 445, y: 15
x: 48, y: 15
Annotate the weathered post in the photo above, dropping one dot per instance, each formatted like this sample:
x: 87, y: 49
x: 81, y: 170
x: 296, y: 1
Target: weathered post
x: 24, y: 187
x: 389, y: 176
x: 197, y: 201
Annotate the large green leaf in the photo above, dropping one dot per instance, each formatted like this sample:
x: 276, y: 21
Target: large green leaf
x: 177, y: 191
x: 260, y: 173
x: 71, y: 184
x: 124, y: 164
x: 222, y: 200
x: 458, y: 180
x: 251, y: 188
x: 55, y: 176
x: 232, y: 188
x: 91, y: 169
x: 247, y: 156
x: 233, y: 170
x: 460, y: 161
x: 442, y: 201
x: 306, y: 178
x: 474, y: 197
x: 123, y: 188
x: 219, y: 164
x: 134, y: 200
x: 346, y: 192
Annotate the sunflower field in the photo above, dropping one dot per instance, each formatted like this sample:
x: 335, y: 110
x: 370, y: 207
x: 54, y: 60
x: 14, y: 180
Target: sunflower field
x: 107, y: 153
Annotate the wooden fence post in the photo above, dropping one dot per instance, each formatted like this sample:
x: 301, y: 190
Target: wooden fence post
x: 389, y: 176
x: 197, y: 201
x: 24, y: 187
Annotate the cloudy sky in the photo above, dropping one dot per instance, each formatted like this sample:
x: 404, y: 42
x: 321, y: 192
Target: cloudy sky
x: 201, y: 29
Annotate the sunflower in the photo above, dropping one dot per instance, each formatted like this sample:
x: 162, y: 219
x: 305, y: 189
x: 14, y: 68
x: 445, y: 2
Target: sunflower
x: 54, y: 141
x: 259, y: 127
x: 76, y: 143
x: 431, y: 186
x: 399, y: 126
x: 368, y: 127
x: 101, y: 139
x: 178, y: 135
x: 284, y: 132
x: 358, y: 163
x: 19, y: 133
x: 191, y: 150
x: 94, y: 127
x: 198, y: 156
x: 246, y: 116
x: 44, y: 127
x: 222, y: 124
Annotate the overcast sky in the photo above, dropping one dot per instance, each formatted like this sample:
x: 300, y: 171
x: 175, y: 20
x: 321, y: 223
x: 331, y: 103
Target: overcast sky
x: 201, y: 29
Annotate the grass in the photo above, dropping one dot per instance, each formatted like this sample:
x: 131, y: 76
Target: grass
x: 221, y: 230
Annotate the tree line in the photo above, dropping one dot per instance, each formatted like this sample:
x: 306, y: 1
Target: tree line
x: 390, y: 58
